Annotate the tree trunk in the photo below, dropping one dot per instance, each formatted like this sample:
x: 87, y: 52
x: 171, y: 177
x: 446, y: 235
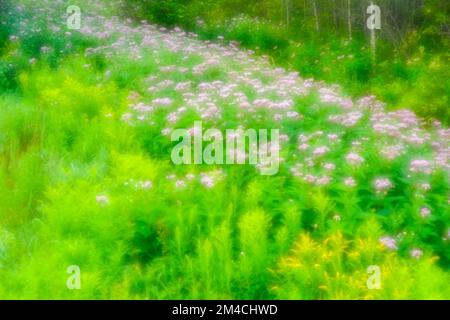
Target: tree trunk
x: 335, y: 16
x: 288, y: 12
x: 349, y: 18
x: 286, y: 5
x: 316, y: 16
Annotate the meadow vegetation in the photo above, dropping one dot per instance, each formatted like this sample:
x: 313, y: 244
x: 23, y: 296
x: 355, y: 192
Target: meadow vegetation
x: 86, y: 177
x: 313, y: 37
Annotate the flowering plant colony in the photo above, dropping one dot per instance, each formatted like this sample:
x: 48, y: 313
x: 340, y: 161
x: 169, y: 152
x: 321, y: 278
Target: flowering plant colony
x: 87, y: 179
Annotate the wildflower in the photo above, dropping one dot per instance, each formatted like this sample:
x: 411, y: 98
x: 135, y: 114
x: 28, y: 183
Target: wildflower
x: 323, y: 181
x: 102, y: 199
x: 172, y: 117
x: 182, y: 86
x: 321, y: 151
x: 284, y: 137
x: 329, y: 166
x: 277, y: 117
x: 350, y: 182
x: 244, y: 105
x: 45, y: 49
x: 303, y: 146
x: 447, y: 236
x: 303, y: 138
x: 180, y: 184
x: 207, y: 181
x: 292, y: 114
x: 354, y: 158
x: 416, y: 253
x: 162, y: 101
x: 348, y: 120
x: 392, y: 152
x: 382, y: 185
x: 425, y: 212
x: 389, y: 243
x: 190, y: 176
x: 347, y: 103
x: 424, y: 186
x: 333, y: 137
x: 127, y: 117
x: 146, y: 184
x: 310, y: 178
x: 420, y: 166
x: 166, y: 131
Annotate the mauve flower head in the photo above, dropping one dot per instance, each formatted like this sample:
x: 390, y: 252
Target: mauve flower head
x: 145, y: 184
x: 166, y: 131
x: 354, y: 158
x: 350, y: 182
x: 309, y: 178
x: 392, y: 152
x: 425, y: 186
x: 329, y: 166
x: 303, y: 138
x: 382, y: 185
x: 180, y: 184
x: 190, y: 176
x: 425, y: 212
x: 162, y: 101
x: 207, y: 181
x: 303, y: 146
x: 416, y: 253
x: 277, y: 117
x: 172, y: 117
x: 102, y: 199
x: 323, y: 181
x: 389, y: 243
x: 421, y: 166
x: 292, y: 114
x: 319, y: 151
x: 127, y: 117
x: 333, y: 136
x: 45, y: 49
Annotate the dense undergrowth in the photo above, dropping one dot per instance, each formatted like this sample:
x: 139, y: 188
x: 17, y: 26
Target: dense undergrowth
x: 86, y: 177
